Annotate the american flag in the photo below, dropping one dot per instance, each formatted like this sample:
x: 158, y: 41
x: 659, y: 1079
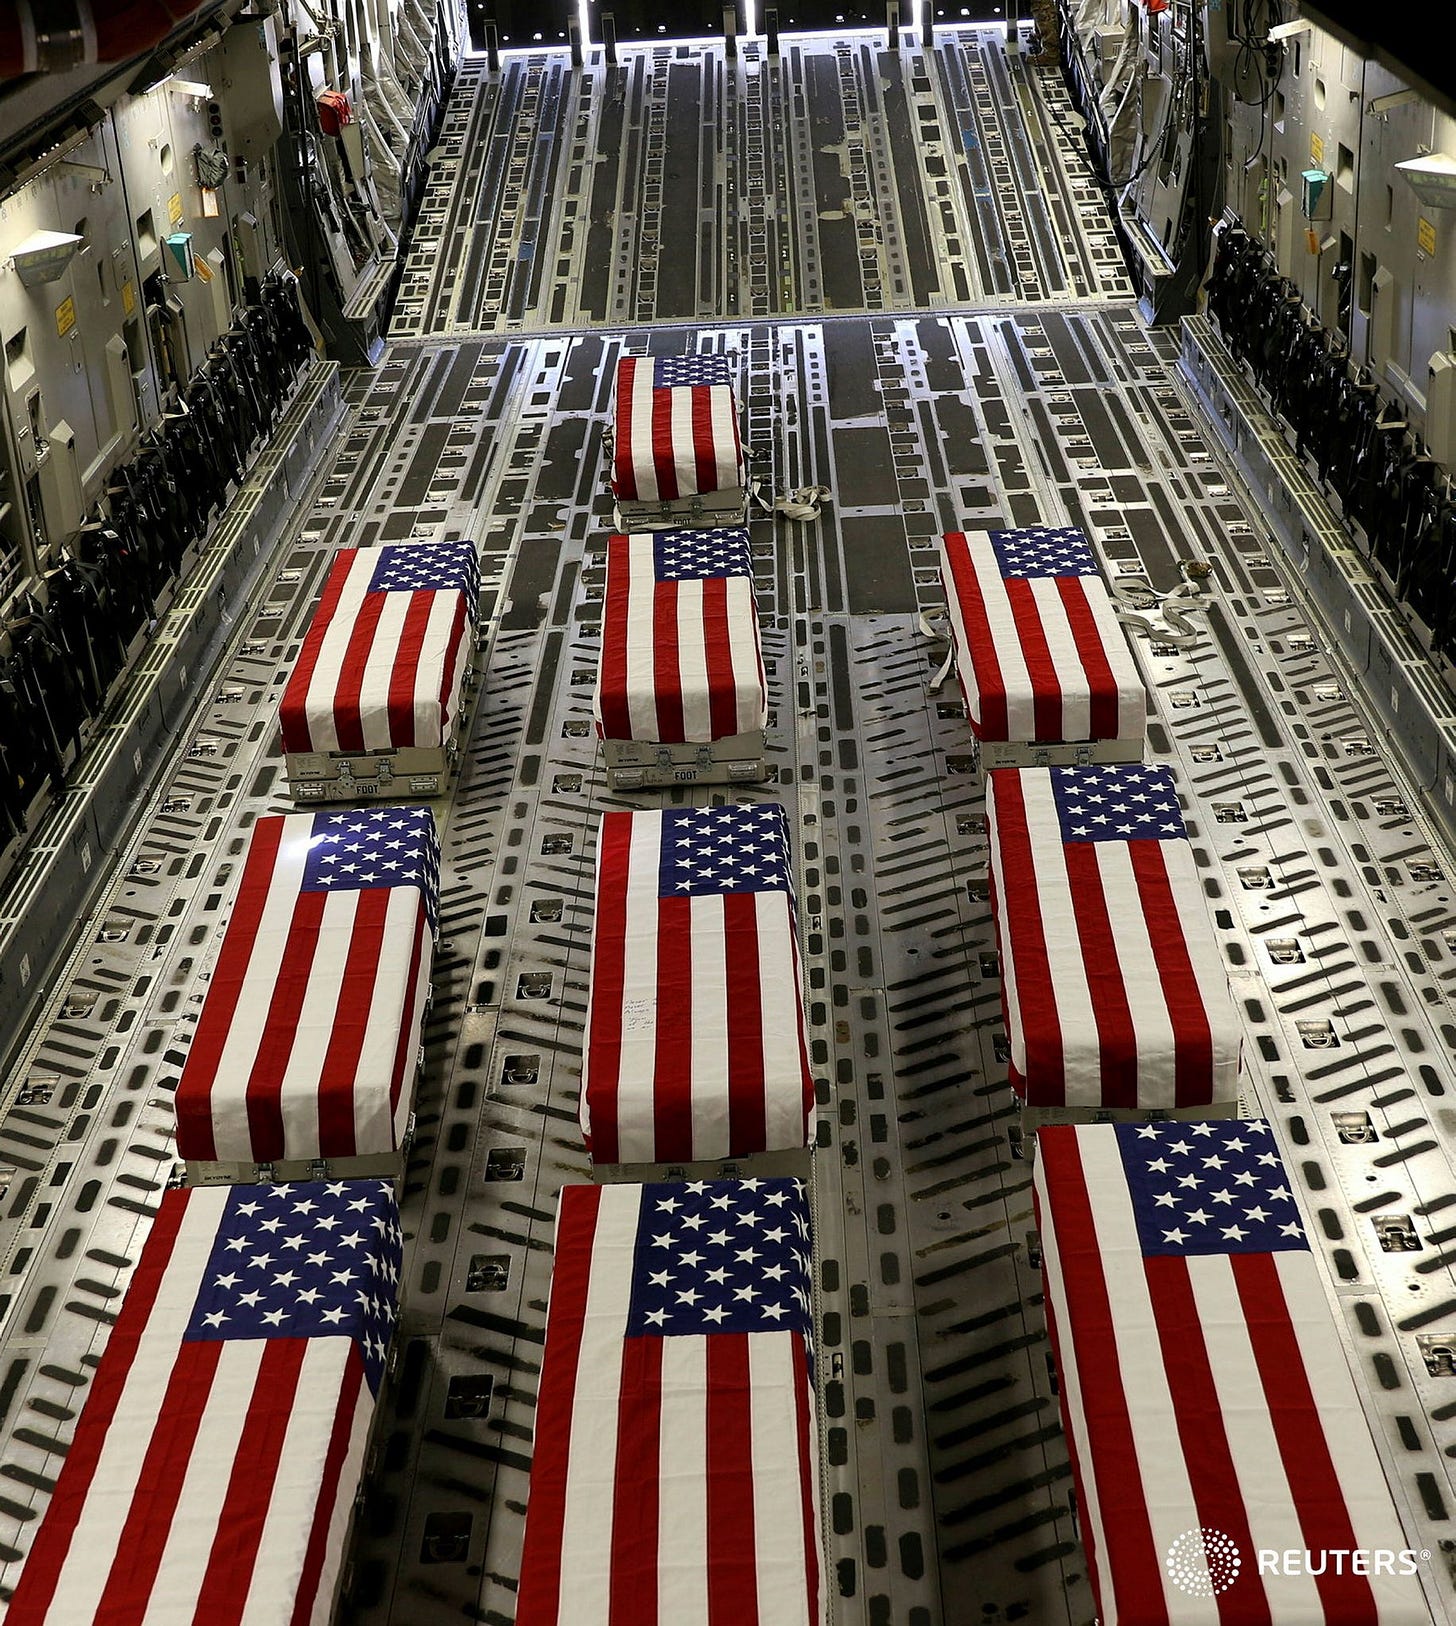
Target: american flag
x: 384, y: 658
x: 674, y: 1472
x: 1113, y: 987
x: 695, y: 1028
x: 680, y: 652
x: 216, y: 1458
x: 1040, y: 654
x: 307, y: 1040
x: 676, y: 428
x: 1208, y: 1405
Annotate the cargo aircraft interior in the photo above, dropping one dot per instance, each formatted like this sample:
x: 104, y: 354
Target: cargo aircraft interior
x: 690, y: 506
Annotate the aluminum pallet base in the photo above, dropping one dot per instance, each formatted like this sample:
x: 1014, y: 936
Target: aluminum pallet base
x: 737, y: 759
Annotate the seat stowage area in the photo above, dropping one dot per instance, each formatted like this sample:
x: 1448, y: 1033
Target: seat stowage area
x: 674, y: 1468
x: 307, y: 1042
x: 1113, y: 987
x: 695, y: 1044
x: 217, y: 1457
x: 1223, y: 1465
x: 1038, y: 650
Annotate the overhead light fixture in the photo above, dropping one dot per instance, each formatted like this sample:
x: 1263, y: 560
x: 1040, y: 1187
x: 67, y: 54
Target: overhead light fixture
x: 1287, y: 31
x: 1432, y: 178
x: 190, y: 87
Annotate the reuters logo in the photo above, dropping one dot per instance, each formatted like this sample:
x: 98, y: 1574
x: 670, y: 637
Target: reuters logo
x: 1203, y: 1562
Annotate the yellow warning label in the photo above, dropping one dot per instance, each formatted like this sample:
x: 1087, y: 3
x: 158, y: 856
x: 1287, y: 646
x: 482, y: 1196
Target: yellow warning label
x: 1425, y: 235
x: 65, y: 316
x: 204, y: 270
x: 174, y: 208
x: 1317, y: 148
x: 128, y: 298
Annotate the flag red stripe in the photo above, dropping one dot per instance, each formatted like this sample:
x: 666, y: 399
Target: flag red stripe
x: 633, y: 1597
x: 747, y: 1102
x: 1192, y: 1034
x: 51, y: 1549
x: 663, y: 450
x: 405, y: 672
x: 1324, y: 1515
x: 616, y: 719
x: 1113, y: 1450
x: 672, y: 1063
x: 1020, y: 926
x: 624, y: 466
x: 223, y: 1595
x: 280, y: 1027
x: 994, y: 721
x: 1048, y: 721
x: 608, y: 972
x: 340, y: 1071
x: 195, y: 1135
x: 408, y: 1046
x: 1092, y: 653
x: 293, y: 708
x: 718, y: 653
x: 705, y: 454
x: 666, y: 662
x: 1111, y: 1011
x: 732, y: 1550
x: 319, y: 1533
x: 348, y: 722
x: 539, y: 1600
x: 138, y: 1560
x: 1199, y: 1418
x: 457, y: 655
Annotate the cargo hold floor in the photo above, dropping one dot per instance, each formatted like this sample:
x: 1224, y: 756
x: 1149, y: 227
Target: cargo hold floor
x: 1044, y: 400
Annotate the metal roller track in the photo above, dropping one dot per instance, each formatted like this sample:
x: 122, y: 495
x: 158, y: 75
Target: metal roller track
x: 945, y: 1473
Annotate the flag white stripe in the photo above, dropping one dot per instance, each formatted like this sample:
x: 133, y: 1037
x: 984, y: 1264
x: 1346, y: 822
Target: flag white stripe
x: 692, y: 662
x: 782, y: 1010
x: 746, y: 656
x: 1132, y: 694
x: 682, y: 1508
x: 1356, y: 1462
x: 1073, y: 684
x: 641, y: 639
x: 415, y: 1015
x: 723, y: 415
x: 711, y: 1084
x: 780, y: 1562
x: 1166, y: 1490
x: 105, y: 1511
x: 591, y: 1461
x: 639, y: 430
x: 684, y: 451
x: 378, y: 671
x: 389, y: 998
x: 438, y: 670
x: 278, y: 1568
x: 335, y: 1545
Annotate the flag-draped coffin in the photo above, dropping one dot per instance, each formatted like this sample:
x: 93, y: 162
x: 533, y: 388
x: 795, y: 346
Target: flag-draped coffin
x: 680, y: 648
x: 383, y: 662
x: 674, y: 1474
x: 1113, y: 986
x: 676, y: 430
x: 223, y: 1437
x: 307, y: 1042
x: 1040, y: 654
x: 695, y: 1045
x: 1224, y: 1470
